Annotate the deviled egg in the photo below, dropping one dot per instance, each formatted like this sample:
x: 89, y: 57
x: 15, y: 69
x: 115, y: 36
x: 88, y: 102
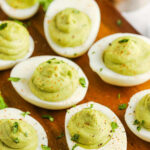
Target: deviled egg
x: 20, y: 9
x: 137, y: 115
x: 121, y: 59
x: 94, y: 126
x: 20, y: 132
x: 16, y: 44
x: 50, y: 82
x: 71, y: 26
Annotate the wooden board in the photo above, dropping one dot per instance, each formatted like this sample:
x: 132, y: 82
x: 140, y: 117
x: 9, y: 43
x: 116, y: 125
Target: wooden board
x: 98, y: 90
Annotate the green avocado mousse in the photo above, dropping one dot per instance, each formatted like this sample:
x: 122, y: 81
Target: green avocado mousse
x: 14, y: 41
x: 54, y: 80
x: 142, y: 112
x: 70, y: 28
x: 21, y: 4
x: 90, y: 128
x: 17, y: 134
x: 128, y: 55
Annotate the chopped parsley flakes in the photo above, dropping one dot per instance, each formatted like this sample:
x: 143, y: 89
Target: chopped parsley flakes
x: 60, y: 136
x: 114, y: 126
x: 82, y: 82
x: 75, y: 137
x: 3, y: 26
x: 2, y: 103
x: 139, y: 124
x: 44, y: 147
x: 14, y: 79
x: 15, y: 127
x: 25, y: 113
x: 16, y: 140
x: 119, y: 22
x: 48, y: 117
x: 73, y: 148
x: 123, y: 40
x: 122, y: 106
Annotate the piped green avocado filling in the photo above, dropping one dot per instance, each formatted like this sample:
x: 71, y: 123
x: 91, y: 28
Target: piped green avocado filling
x: 54, y: 80
x: 128, y: 55
x: 17, y: 134
x: 90, y: 129
x: 70, y: 28
x: 21, y: 4
x: 142, y: 111
x: 14, y: 41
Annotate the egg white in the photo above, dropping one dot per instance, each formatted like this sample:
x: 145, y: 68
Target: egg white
x: 130, y: 116
x: 12, y: 113
x: 6, y: 64
x: 119, y: 139
x: 90, y: 8
x: 109, y: 76
x: 24, y: 70
x: 20, y: 14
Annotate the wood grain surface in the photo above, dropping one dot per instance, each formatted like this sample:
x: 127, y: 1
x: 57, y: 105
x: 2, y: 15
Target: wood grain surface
x: 98, y: 90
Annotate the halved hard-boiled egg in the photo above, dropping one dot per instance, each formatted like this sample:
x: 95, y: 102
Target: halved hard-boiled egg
x: 137, y: 115
x: 16, y: 44
x: 20, y: 131
x: 21, y: 10
x: 121, y: 59
x: 50, y: 82
x: 71, y: 26
x: 94, y: 126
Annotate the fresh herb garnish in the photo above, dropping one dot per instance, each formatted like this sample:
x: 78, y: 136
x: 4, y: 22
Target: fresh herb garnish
x: 82, y: 82
x: 101, y: 69
x: 44, y: 147
x: 91, y: 106
x: 2, y: 103
x: 73, y: 148
x: 69, y: 74
x: 122, y: 106
x: 118, y: 95
x: 25, y: 113
x: 123, y: 40
x: 14, y: 79
x: 3, y: 26
x: 45, y: 4
x: 75, y: 137
x: 16, y: 140
x: 60, y: 136
x: 119, y: 22
x: 48, y: 117
x: 26, y: 134
x: 114, y: 126
x: 93, y: 52
x: 139, y: 124
x: 15, y: 127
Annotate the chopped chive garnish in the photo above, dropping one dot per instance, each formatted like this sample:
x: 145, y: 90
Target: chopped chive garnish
x: 15, y: 127
x: 101, y: 69
x: 82, y: 82
x: 114, y: 126
x: 73, y: 148
x: 91, y: 106
x: 123, y: 40
x: 16, y: 140
x: 3, y: 26
x: 25, y: 113
x: 2, y: 103
x: 26, y: 134
x: 139, y: 124
x: 75, y: 137
x: 118, y: 95
x: 44, y: 147
x: 122, y: 106
x: 48, y: 117
x: 45, y: 4
x: 60, y: 136
x: 119, y: 22
x: 14, y: 79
